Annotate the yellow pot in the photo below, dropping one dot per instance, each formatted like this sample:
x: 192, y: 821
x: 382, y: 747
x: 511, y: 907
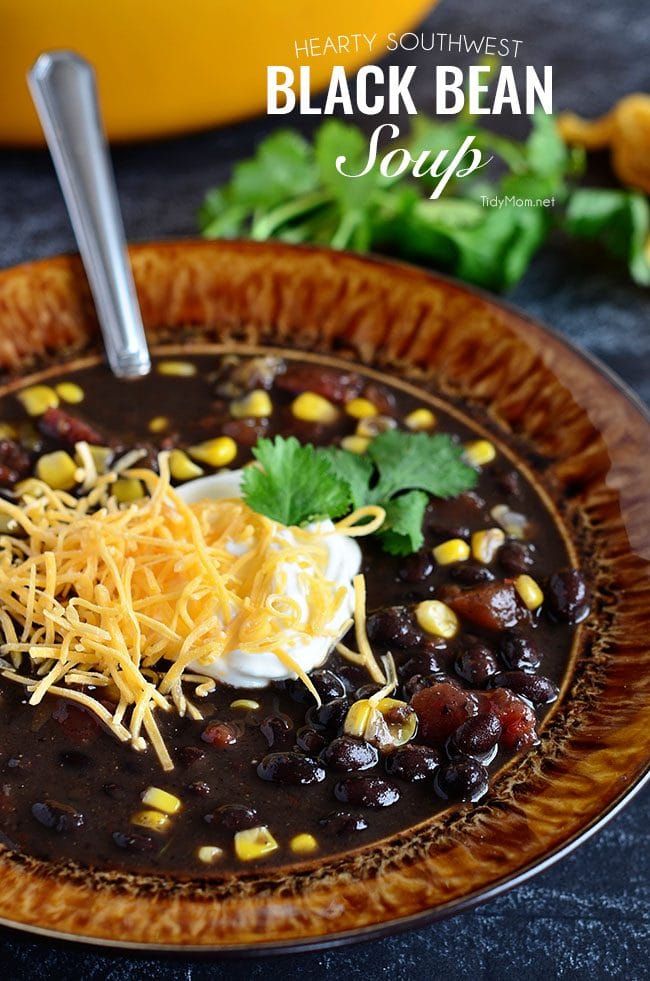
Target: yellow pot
x: 171, y: 66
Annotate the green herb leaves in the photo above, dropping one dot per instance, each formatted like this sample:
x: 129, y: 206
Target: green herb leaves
x: 484, y: 231
x: 620, y: 220
x: 296, y: 484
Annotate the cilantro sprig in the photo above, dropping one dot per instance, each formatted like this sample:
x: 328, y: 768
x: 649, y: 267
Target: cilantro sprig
x: 478, y: 230
x: 296, y: 483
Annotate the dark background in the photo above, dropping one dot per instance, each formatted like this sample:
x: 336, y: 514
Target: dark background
x: 589, y: 916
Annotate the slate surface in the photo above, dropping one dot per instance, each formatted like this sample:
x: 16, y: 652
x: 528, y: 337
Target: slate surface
x: 589, y: 916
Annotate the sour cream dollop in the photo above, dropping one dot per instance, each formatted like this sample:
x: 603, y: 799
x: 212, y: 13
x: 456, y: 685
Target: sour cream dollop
x: 244, y: 669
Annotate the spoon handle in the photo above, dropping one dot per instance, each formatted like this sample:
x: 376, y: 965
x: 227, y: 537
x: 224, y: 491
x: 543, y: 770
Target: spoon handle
x: 64, y: 92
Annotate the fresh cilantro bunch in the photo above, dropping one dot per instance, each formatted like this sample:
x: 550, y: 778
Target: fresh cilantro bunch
x: 296, y: 483
x: 291, y: 190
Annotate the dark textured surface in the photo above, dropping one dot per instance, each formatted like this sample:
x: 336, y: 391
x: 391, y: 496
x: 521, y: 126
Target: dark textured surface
x: 589, y: 916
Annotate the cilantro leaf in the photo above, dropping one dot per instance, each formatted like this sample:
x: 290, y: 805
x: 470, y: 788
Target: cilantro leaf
x: 295, y: 483
x: 282, y: 168
x: 408, y: 461
x: 619, y: 219
x: 355, y: 470
x: 401, y: 532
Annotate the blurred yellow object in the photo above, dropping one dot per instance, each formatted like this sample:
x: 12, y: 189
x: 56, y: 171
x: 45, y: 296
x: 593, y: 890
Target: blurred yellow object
x: 625, y: 129
x: 166, y: 67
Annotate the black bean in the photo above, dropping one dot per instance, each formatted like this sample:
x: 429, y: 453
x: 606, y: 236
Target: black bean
x: 478, y: 736
x: 419, y: 681
x: 57, y: 816
x: 277, y: 730
x: 470, y: 573
x: 514, y: 558
x: 234, y: 817
x: 290, y: 769
x: 310, y: 740
x: 412, y: 762
x: 518, y: 652
x: 435, y: 532
x: 417, y: 568
x: 366, y: 792
x: 510, y: 483
x: 189, y: 755
x: 476, y: 664
x: 74, y: 758
x: 327, y: 684
x: 424, y: 662
x: 464, y: 780
x: 534, y: 687
x: 347, y: 753
x: 366, y: 691
x: 329, y: 715
x: 395, y: 626
x: 352, y: 676
x: 568, y: 597
x: 343, y: 822
x: 134, y: 841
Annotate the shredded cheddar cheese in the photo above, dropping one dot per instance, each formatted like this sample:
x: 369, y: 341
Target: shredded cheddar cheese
x: 365, y: 655
x: 94, y: 595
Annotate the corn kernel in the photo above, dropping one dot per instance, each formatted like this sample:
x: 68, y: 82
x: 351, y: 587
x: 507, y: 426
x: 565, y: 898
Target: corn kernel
x: 437, y: 618
x: 181, y: 467
x: 355, y: 444
x: 127, y: 489
x: 311, y: 407
x: 38, y: 399
x: 217, y: 452
x: 161, y: 800
x: 184, y: 369
x: 360, y: 408
x: 529, y: 591
x: 152, y: 820
x: 256, y: 405
x: 303, y: 844
x: 400, y: 720
x: 254, y: 843
x: 70, y: 392
x: 357, y: 718
x: 420, y: 419
x: 454, y: 550
x: 479, y: 452
x: 7, y: 431
x: 58, y: 470
x: 245, y: 703
x: 158, y: 424
x: 486, y: 544
x: 209, y: 854
x: 372, y: 426
x: 387, y: 723
x: 513, y: 523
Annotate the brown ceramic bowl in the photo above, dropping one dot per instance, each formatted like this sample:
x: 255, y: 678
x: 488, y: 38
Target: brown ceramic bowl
x: 535, y: 391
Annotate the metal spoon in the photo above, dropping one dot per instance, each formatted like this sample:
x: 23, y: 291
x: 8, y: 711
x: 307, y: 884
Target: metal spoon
x: 63, y: 89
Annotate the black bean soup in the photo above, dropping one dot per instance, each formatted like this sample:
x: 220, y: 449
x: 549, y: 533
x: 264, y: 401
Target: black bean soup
x: 267, y: 778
